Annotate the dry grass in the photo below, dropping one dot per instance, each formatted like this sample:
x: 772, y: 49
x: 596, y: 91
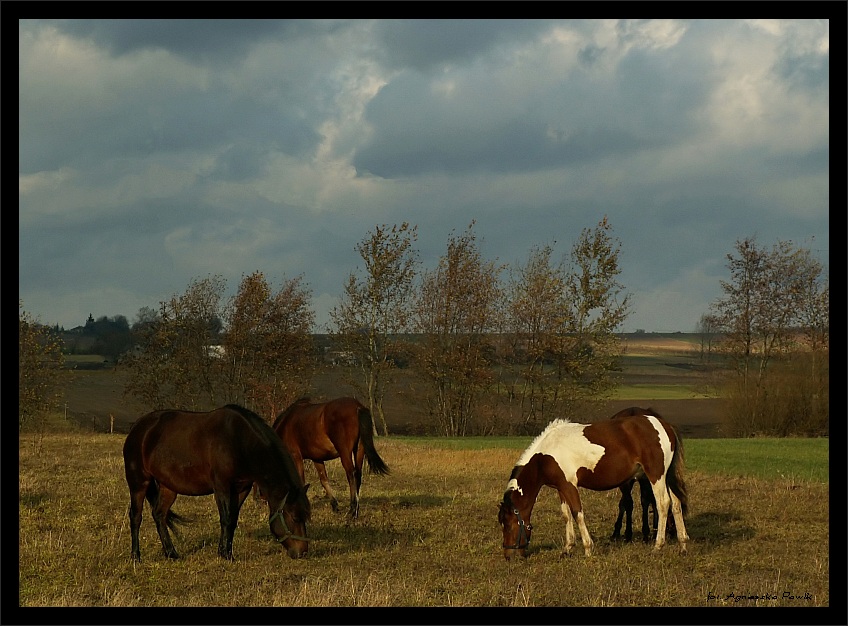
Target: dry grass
x: 427, y: 536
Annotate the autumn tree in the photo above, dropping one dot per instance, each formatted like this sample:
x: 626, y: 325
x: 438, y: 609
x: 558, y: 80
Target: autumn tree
x: 563, y: 319
x: 40, y: 362
x: 535, y: 312
x: 171, y: 365
x: 268, y: 357
x: 457, y: 312
x: 374, y: 310
x: 773, y: 297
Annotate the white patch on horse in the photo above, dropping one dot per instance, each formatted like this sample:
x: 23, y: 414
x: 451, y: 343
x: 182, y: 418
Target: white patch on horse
x: 566, y: 443
x: 513, y: 485
x: 665, y: 442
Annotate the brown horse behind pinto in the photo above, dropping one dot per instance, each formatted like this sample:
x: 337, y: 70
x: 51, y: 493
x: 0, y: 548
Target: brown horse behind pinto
x: 625, y: 505
x: 340, y: 428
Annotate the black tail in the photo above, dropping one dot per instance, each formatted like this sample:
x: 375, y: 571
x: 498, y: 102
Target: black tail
x: 674, y: 477
x: 172, y: 518
x: 366, y: 433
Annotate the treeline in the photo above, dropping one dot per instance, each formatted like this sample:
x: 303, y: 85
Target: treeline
x: 494, y: 349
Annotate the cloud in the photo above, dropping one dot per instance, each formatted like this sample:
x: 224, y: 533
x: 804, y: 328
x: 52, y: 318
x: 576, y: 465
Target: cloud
x: 153, y: 152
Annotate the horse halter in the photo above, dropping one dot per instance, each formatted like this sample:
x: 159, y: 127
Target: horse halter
x: 523, y: 533
x: 289, y: 534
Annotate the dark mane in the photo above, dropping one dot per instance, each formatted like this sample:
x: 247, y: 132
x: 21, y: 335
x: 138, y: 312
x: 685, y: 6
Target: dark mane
x: 288, y: 411
x: 267, y: 435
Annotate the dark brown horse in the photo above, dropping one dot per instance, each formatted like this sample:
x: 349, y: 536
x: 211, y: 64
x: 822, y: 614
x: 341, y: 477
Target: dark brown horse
x: 341, y: 428
x: 222, y: 452
x: 646, y: 496
x: 600, y: 456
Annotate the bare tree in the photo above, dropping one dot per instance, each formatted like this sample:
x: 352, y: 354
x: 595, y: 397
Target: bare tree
x: 564, y: 321
x: 770, y: 294
x: 375, y: 310
x: 40, y: 362
x: 707, y: 329
x: 456, y: 312
x: 536, y: 310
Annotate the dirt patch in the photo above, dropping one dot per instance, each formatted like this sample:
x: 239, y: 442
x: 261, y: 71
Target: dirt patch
x: 91, y: 397
x: 695, y: 418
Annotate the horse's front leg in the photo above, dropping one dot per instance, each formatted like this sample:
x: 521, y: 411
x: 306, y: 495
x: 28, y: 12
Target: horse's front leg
x: 572, y: 508
x: 229, y: 502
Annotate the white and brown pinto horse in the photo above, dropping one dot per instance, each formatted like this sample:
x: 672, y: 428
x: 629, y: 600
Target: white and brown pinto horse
x: 600, y: 456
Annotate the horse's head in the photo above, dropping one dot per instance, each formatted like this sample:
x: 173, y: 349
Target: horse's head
x: 288, y: 521
x: 516, y: 530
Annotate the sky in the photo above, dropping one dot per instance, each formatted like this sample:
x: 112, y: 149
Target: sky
x: 157, y: 152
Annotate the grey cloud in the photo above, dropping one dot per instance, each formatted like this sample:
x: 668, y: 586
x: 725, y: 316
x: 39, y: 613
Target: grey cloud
x: 197, y: 40
x: 424, y: 45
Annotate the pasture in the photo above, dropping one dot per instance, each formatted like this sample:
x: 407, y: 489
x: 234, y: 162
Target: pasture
x: 428, y: 536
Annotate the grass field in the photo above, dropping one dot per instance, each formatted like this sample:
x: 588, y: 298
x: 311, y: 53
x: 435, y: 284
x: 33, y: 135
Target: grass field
x: 428, y: 537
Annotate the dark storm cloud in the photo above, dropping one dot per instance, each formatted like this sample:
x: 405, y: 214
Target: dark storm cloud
x: 578, y: 117
x: 154, y: 152
x: 197, y: 40
x: 425, y: 45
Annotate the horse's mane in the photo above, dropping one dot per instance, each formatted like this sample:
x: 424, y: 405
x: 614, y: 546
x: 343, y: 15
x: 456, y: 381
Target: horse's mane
x: 267, y: 435
x: 250, y: 415
x: 288, y: 410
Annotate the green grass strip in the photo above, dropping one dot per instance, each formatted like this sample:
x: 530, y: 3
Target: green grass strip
x: 793, y: 459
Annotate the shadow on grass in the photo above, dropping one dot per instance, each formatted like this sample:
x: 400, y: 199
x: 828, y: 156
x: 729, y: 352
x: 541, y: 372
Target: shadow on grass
x: 708, y: 531
x: 335, y: 533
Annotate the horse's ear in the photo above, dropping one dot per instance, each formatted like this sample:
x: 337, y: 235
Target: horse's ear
x: 305, y: 487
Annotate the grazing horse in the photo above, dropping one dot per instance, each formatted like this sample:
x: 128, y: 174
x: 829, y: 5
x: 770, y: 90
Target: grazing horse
x: 625, y: 505
x: 600, y: 456
x: 341, y: 428
x: 222, y: 452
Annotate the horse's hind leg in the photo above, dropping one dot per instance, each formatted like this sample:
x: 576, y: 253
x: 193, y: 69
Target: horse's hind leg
x: 325, y: 483
x: 677, y: 513
x: 161, y: 499
x: 354, y: 479
x: 135, y: 513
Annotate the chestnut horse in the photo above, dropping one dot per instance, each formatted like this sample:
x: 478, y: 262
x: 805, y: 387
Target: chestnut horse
x: 625, y: 505
x: 222, y: 452
x: 600, y: 456
x: 341, y: 428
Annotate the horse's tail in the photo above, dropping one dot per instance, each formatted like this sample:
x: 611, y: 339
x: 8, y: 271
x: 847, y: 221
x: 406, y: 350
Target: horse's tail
x: 674, y: 477
x: 366, y: 434
x: 172, y: 519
